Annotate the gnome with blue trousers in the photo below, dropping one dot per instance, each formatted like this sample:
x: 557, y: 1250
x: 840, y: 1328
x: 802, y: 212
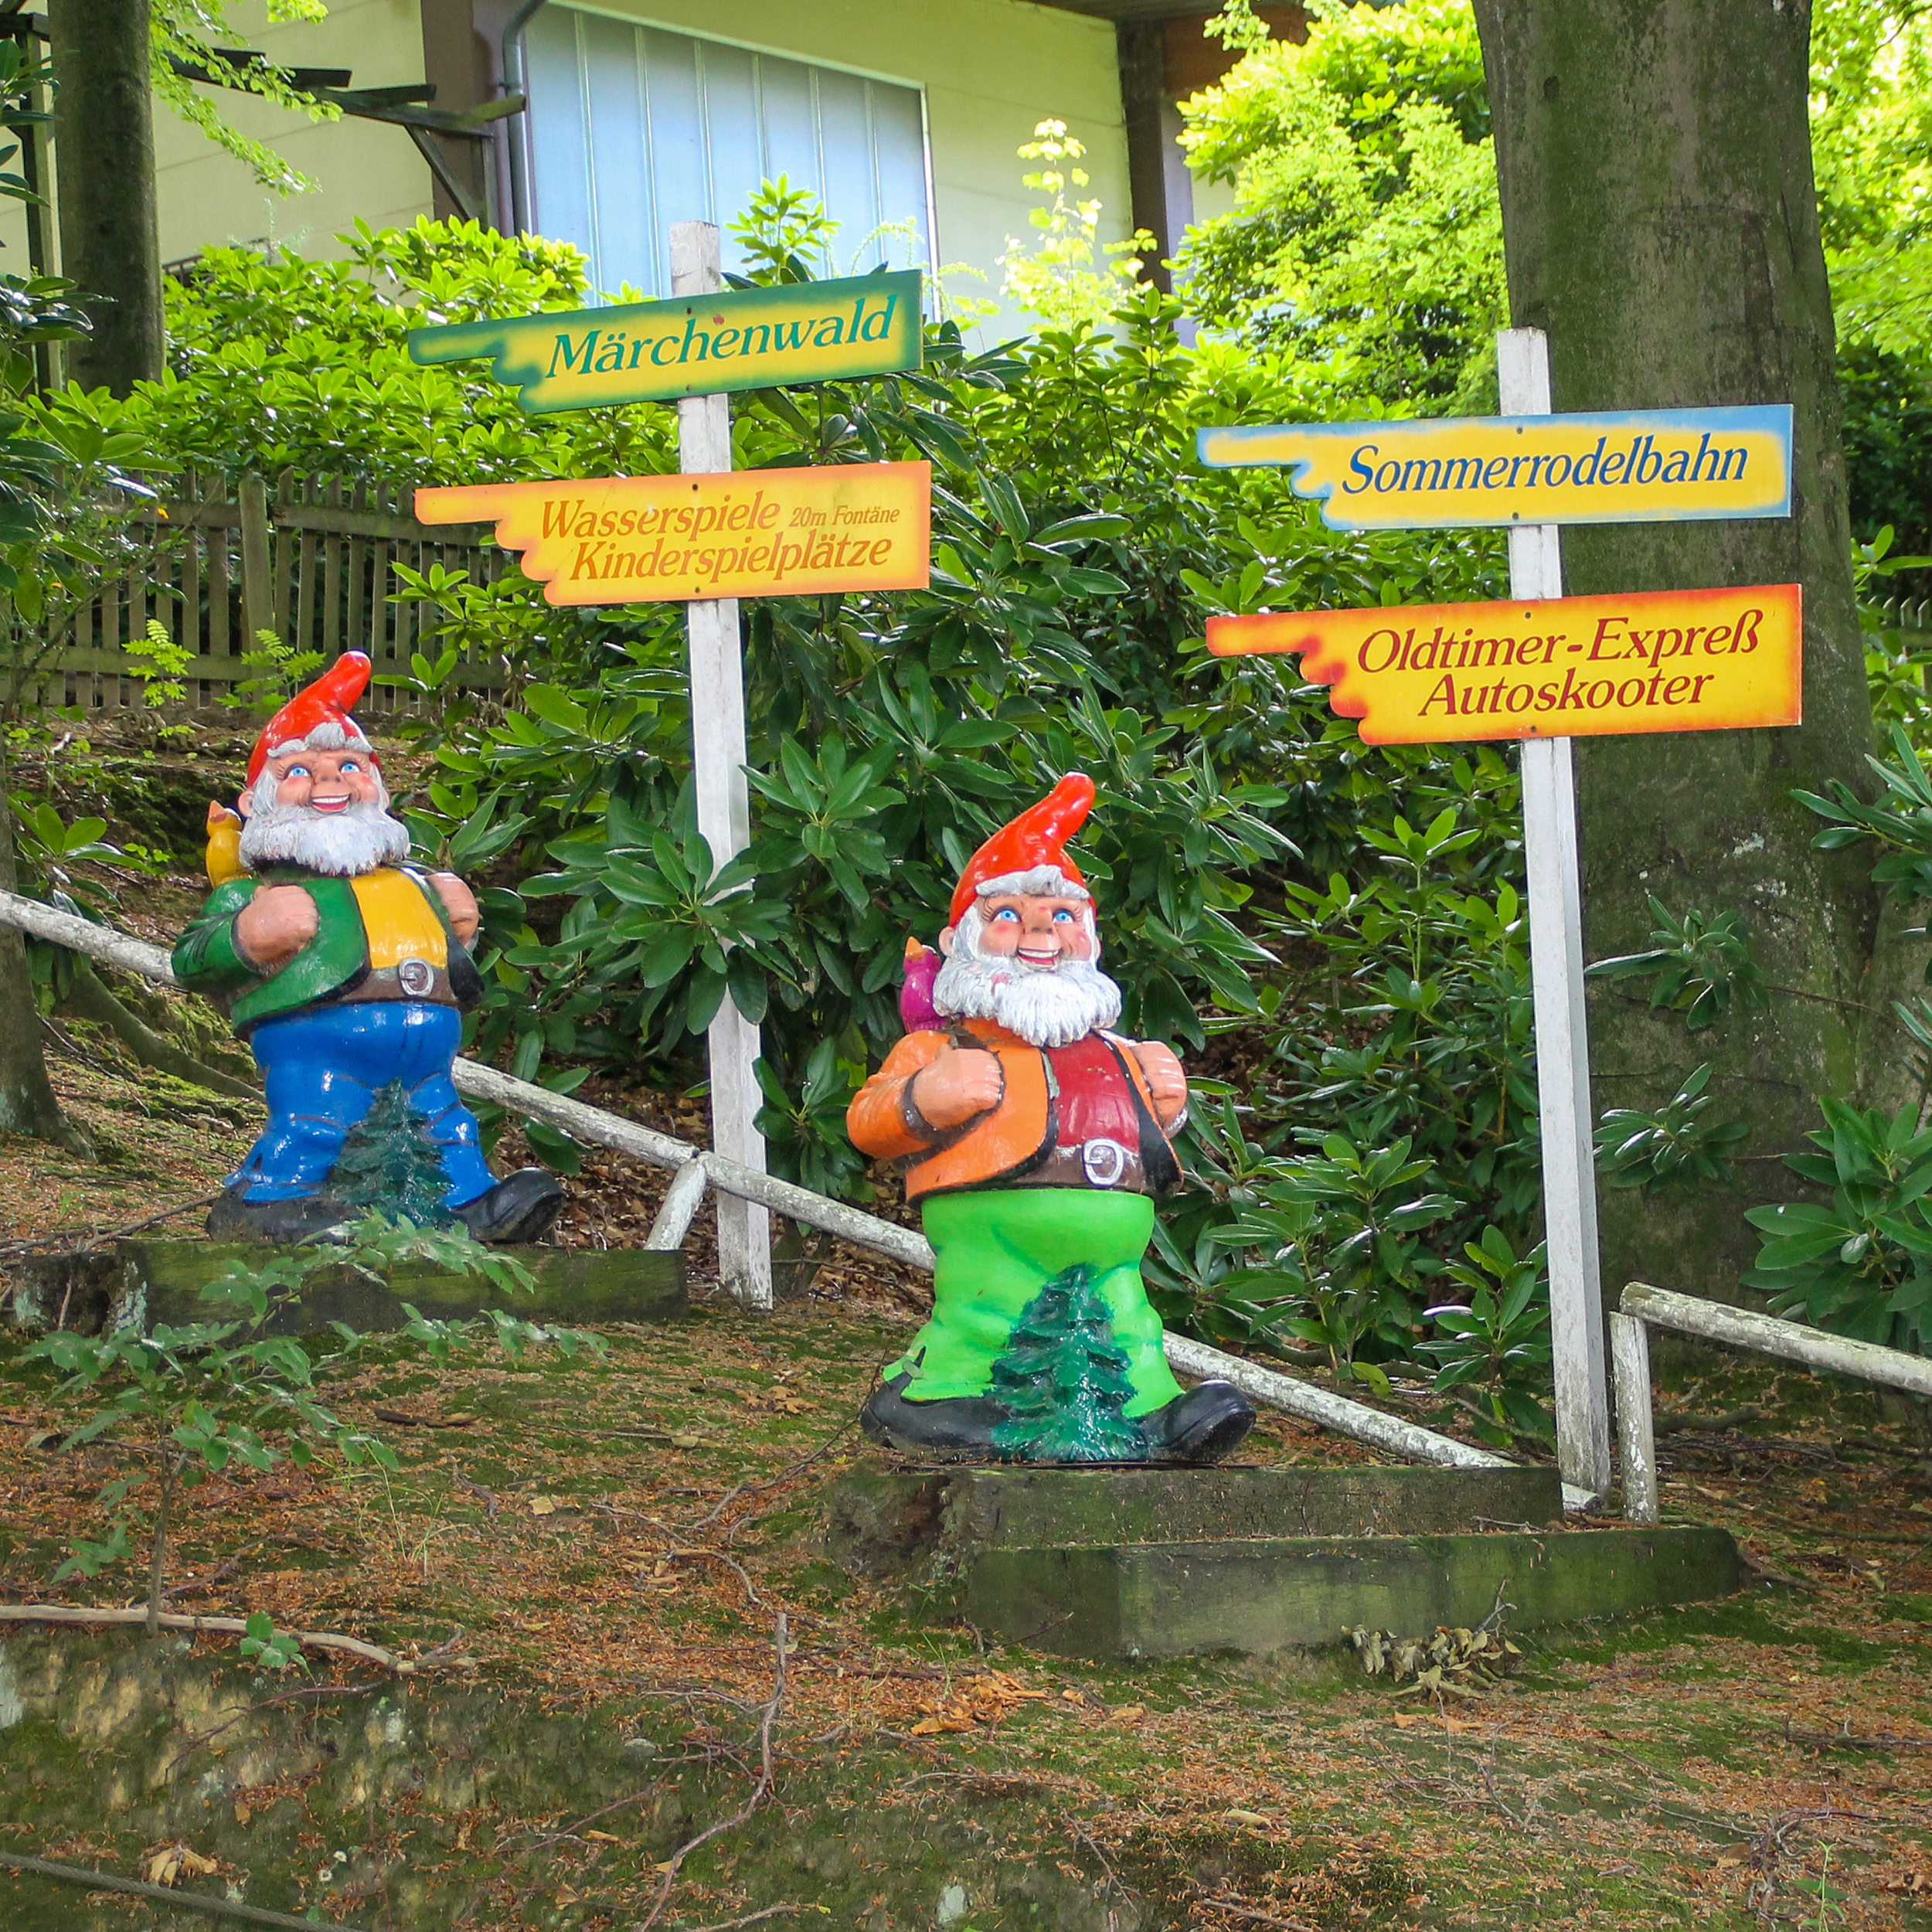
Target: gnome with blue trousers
x: 347, y: 971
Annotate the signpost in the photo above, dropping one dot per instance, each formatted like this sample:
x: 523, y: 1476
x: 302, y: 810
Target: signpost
x: 702, y: 342
x: 707, y: 537
x: 1577, y: 667
x: 1528, y: 466
x: 1544, y: 669
x: 625, y: 540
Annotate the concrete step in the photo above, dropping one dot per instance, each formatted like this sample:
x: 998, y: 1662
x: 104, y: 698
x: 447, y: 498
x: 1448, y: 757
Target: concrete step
x: 886, y: 1519
x: 150, y: 1284
x: 1181, y: 1599
x: 1169, y: 1562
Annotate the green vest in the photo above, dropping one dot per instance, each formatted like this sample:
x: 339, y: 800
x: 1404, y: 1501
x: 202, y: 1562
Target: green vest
x: 207, y: 960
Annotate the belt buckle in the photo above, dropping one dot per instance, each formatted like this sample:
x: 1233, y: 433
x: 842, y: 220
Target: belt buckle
x: 1104, y: 1161
x: 416, y: 977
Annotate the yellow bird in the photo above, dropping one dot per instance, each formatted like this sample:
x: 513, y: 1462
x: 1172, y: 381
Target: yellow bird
x: 224, y: 844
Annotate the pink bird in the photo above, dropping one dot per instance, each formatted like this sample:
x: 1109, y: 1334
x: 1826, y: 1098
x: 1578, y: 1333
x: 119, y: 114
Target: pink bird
x: 916, y: 1007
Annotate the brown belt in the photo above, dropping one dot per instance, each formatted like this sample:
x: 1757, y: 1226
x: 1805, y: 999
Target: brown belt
x: 411, y: 979
x: 1097, y: 1164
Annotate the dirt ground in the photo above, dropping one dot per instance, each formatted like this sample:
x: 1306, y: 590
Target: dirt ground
x: 618, y: 1535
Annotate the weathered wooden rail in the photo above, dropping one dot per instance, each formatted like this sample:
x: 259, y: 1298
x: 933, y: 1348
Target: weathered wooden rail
x: 312, y: 561
x: 1642, y: 1308
x: 699, y: 1170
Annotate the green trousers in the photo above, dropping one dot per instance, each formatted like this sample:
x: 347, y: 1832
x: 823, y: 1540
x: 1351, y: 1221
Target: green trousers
x: 995, y: 1249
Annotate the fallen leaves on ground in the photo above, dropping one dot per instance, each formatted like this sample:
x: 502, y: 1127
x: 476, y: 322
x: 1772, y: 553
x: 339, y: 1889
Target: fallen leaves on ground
x: 982, y: 1700
x: 169, y: 1863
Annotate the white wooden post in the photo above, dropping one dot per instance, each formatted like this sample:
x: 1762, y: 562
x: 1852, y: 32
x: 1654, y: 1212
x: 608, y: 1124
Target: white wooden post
x: 1636, y: 1437
x: 724, y: 804
x: 1556, y: 972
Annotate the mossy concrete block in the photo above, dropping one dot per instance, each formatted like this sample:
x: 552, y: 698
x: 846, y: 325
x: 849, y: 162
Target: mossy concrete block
x: 1256, y: 1598
x: 1171, y: 1562
x: 146, y: 1283
x: 885, y: 1522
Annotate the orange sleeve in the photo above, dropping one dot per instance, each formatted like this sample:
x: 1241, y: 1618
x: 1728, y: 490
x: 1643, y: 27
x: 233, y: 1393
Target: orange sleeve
x: 876, y: 1119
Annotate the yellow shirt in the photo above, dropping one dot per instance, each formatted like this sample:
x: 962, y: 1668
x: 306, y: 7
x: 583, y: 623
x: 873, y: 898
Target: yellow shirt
x: 399, y: 919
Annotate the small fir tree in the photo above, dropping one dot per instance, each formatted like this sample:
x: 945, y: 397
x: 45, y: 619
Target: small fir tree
x: 388, y: 1165
x: 1063, y: 1380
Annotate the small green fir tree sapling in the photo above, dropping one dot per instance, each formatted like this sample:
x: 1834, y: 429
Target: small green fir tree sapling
x: 1064, y: 1381
x: 388, y: 1165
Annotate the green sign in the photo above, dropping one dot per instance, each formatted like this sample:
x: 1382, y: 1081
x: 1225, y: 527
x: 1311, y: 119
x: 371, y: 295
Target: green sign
x: 693, y: 344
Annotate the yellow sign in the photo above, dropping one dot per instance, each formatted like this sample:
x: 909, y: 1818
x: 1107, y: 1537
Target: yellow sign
x: 740, y: 533
x: 1646, y: 467
x: 1567, y: 667
x: 693, y: 344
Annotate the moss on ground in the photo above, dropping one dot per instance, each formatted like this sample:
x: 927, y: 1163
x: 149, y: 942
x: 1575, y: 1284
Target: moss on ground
x: 614, y: 1540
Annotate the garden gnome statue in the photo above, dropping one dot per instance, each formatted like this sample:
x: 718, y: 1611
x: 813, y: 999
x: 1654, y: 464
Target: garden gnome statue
x: 346, y: 972
x: 1035, y: 1140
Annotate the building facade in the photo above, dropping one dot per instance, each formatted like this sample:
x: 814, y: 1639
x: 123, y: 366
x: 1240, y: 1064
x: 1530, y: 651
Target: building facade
x: 603, y: 124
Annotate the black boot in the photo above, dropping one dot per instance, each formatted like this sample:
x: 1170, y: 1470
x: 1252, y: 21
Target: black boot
x: 957, y: 1429
x: 1202, y: 1425
x: 516, y: 1210
x: 236, y: 1218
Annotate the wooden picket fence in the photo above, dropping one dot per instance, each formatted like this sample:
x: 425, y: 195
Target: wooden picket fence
x: 313, y: 559
x: 1908, y: 613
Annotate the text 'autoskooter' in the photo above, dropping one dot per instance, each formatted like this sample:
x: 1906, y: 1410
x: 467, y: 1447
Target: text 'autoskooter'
x: 1653, y: 466
x: 1566, y: 667
x: 738, y: 533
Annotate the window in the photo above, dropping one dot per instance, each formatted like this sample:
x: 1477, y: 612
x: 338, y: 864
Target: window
x: 634, y: 128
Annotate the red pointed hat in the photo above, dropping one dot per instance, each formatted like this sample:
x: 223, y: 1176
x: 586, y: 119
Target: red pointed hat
x: 1037, y: 837
x: 327, y: 700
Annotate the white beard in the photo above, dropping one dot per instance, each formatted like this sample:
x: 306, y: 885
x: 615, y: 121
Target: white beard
x: 1046, y: 1006
x: 345, y: 843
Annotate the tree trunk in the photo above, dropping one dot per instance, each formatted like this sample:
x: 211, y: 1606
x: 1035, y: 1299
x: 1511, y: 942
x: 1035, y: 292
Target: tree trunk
x: 1660, y: 222
x: 104, y: 165
x: 27, y: 1102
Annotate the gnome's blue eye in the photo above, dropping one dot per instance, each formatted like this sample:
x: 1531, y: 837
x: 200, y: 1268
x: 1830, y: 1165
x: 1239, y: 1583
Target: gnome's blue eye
x: 348, y: 765
x: 1062, y: 917
x: 1006, y: 912
x: 297, y: 771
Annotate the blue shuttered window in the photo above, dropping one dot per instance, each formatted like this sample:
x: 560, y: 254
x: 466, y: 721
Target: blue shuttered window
x: 633, y: 128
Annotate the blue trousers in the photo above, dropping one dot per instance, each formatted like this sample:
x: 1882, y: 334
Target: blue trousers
x: 323, y: 1069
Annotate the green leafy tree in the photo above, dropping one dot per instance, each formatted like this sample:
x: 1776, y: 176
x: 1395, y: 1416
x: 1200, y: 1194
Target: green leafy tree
x: 1069, y: 276
x: 1366, y: 240
x: 188, y: 39
x: 1590, y: 115
x: 65, y: 491
x: 1861, y: 1263
x: 1697, y: 966
x: 1333, y: 1254
x: 1684, y: 1144
x: 1493, y: 1350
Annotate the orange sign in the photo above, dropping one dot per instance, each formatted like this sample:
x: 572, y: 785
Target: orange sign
x: 740, y: 533
x: 1567, y: 667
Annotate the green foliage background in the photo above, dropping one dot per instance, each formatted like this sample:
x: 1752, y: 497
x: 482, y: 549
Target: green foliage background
x: 1334, y: 935
x: 1367, y: 238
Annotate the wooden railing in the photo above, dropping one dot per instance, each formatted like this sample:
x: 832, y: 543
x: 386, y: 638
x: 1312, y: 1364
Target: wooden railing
x: 697, y: 1172
x: 1643, y: 1307
x: 311, y: 559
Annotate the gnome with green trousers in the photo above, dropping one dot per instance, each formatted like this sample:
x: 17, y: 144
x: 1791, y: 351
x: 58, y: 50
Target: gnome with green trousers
x: 1035, y: 1139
